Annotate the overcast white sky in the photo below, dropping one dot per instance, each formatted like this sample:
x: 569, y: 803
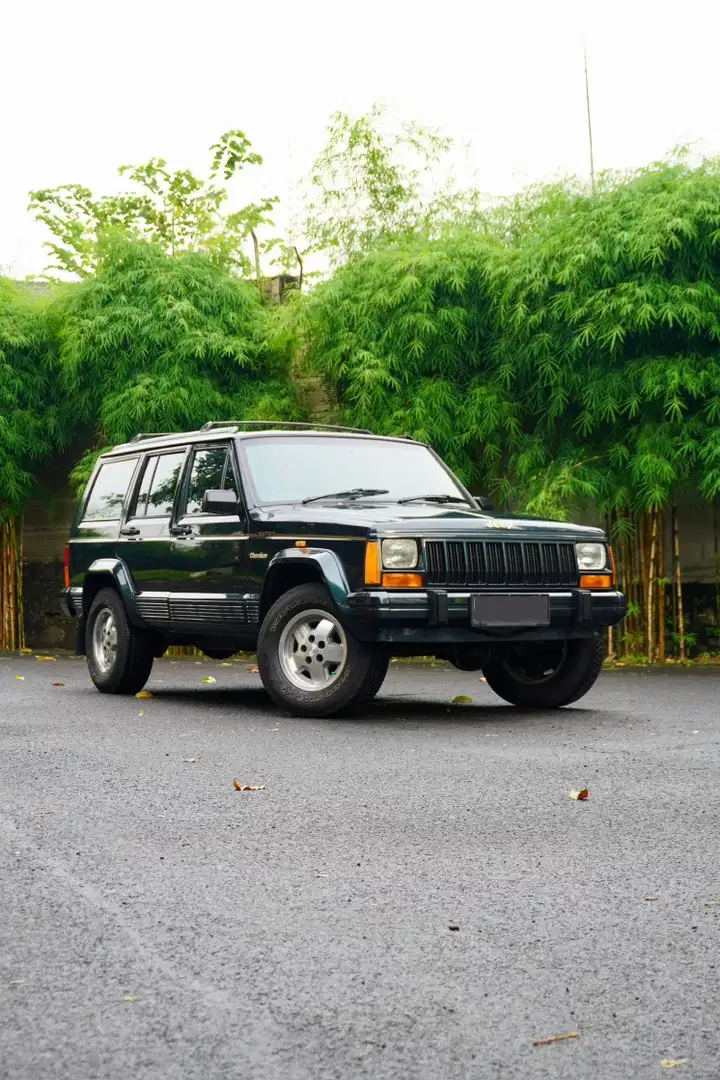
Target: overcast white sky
x: 86, y: 86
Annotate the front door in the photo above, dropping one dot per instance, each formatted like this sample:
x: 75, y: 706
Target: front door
x: 215, y: 592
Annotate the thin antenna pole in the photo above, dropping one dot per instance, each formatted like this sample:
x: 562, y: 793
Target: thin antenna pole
x: 590, y: 139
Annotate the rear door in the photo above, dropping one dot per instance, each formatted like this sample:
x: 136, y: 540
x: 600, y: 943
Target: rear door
x: 215, y: 589
x: 144, y: 543
x: 96, y: 534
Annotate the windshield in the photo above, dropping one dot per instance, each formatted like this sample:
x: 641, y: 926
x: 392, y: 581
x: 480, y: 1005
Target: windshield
x: 296, y: 468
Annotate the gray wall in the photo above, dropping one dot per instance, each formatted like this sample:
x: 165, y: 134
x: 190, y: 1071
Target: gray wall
x: 49, y: 514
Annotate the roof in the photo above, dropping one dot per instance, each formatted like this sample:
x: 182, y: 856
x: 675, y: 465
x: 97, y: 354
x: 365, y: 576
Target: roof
x: 211, y: 433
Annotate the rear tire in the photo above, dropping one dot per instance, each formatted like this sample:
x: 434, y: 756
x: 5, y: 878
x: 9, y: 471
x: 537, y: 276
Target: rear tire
x: 545, y: 676
x: 309, y: 662
x: 119, y: 655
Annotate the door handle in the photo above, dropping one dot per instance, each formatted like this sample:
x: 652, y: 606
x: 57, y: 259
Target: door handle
x: 181, y: 530
x: 130, y: 530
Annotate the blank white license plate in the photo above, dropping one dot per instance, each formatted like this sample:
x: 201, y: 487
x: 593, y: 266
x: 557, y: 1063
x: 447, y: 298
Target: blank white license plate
x: 532, y: 609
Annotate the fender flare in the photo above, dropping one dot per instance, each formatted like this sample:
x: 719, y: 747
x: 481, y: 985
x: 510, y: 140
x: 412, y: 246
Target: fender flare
x: 118, y: 571
x: 331, y: 571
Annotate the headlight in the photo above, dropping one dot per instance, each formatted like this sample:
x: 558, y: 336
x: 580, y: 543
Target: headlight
x: 591, y: 556
x: 399, y: 554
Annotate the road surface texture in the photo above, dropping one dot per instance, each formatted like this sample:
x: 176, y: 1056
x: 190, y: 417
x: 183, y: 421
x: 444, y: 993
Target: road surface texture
x: 413, y: 895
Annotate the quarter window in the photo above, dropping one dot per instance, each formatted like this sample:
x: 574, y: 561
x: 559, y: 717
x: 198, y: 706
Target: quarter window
x: 106, y: 498
x: 212, y: 471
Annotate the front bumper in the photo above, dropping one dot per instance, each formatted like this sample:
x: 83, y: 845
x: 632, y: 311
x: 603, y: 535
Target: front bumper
x: 440, y: 616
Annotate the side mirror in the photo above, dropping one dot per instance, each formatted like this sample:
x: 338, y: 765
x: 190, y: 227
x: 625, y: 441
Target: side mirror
x: 483, y: 502
x: 220, y: 502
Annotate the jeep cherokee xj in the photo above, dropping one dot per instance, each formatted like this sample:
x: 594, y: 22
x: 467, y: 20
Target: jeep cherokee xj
x: 327, y: 551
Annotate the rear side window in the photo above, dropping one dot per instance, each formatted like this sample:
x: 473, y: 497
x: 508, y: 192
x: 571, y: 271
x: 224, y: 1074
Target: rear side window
x: 211, y: 471
x: 108, y: 492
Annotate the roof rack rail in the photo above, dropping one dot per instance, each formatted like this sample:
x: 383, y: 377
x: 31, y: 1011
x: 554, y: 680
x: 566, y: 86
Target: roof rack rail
x: 151, y: 435
x: 290, y: 424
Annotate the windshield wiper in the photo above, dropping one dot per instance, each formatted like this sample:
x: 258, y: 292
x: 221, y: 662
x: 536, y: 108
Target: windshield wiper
x: 434, y: 498
x: 353, y: 493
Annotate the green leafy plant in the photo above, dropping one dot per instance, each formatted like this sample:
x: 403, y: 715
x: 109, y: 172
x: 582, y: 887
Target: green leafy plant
x: 378, y: 179
x: 176, y: 210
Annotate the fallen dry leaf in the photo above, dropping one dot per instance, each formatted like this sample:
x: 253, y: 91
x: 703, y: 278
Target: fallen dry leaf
x: 462, y: 699
x: 46, y: 658
x: 247, y: 787
x: 253, y: 670
x: 209, y: 679
x: 25, y: 652
x: 128, y: 997
x: 144, y: 694
x: 188, y: 760
x: 670, y: 1063
x: 57, y: 684
x: 20, y: 678
x: 141, y: 713
x: 580, y: 793
x: 556, y: 1038
x: 652, y: 897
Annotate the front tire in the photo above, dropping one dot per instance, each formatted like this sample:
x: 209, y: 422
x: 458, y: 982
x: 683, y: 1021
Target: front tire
x: 547, y: 675
x: 119, y: 655
x: 309, y: 662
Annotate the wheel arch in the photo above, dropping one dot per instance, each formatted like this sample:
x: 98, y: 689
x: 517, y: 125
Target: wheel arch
x: 110, y: 573
x: 304, y: 566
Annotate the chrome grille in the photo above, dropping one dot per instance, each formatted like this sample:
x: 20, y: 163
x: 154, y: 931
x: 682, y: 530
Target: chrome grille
x: 497, y: 562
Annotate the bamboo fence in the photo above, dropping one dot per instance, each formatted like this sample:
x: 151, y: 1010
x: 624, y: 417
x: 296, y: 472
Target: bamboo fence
x: 12, y: 630
x: 649, y: 572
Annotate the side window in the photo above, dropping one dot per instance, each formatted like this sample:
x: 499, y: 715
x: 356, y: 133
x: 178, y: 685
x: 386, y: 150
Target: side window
x: 211, y: 471
x: 106, y: 498
x: 162, y: 487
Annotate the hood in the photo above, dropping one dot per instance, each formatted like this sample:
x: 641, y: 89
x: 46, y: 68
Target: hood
x: 411, y: 519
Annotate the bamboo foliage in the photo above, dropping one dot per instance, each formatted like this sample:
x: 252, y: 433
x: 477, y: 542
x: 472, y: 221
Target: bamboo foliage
x: 565, y: 353
x: 160, y: 343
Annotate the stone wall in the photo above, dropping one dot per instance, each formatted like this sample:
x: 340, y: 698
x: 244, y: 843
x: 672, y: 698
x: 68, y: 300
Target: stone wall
x: 45, y: 528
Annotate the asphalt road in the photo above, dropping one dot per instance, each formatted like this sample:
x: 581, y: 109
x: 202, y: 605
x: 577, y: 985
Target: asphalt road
x: 413, y: 895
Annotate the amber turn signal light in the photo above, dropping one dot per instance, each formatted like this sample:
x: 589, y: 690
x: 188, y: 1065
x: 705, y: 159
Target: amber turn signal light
x: 372, y: 563
x: 595, y: 581
x: 402, y: 581
x: 66, y: 567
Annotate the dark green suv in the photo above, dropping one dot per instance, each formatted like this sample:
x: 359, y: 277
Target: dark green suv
x: 328, y: 550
